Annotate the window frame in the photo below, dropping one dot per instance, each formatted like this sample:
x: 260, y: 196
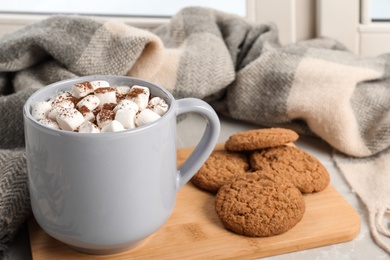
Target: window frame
x: 349, y: 21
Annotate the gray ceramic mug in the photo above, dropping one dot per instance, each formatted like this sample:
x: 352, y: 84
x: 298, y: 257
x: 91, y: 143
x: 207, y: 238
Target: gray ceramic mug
x: 105, y: 193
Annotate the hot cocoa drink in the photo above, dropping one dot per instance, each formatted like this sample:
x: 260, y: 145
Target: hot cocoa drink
x: 106, y: 193
x: 95, y: 106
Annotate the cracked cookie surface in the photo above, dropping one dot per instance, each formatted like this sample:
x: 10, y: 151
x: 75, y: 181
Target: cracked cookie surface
x: 303, y: 170
x: 259, y: 206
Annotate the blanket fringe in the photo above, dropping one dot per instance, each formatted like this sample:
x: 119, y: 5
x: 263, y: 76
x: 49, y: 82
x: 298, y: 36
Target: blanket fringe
x: 377, y: 228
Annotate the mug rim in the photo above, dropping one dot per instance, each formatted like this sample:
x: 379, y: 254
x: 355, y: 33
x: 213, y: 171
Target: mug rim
x: 57, y: 85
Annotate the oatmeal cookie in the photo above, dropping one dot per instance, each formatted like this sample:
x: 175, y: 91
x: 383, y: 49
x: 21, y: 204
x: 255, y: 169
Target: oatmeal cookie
x: 259, y: 206
x: 220, y: 168
x: 260, y: 138
x: 303, y: 170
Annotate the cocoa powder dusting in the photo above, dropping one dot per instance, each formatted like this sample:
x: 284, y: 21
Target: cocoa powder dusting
x: 68, y: 106
x: 134, y: 93
x: 74, y: 100
x: 86, y: 85
x: 106, y: 115
x: 96, y: 111
x: 84, y: 110
x: 119, y: 97
x: 104, y: 90
x: 109, y: 106
x: 67, y: 97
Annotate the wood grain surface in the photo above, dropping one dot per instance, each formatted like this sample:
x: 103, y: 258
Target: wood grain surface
x: 195, y: 232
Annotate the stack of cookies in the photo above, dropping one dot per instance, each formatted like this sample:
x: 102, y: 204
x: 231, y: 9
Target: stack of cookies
x: 259, y: 180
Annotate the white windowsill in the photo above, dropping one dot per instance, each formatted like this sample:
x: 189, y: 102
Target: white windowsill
x: 375, y: 27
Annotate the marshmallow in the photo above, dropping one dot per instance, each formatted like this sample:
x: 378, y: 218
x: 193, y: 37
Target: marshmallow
x: 109, y: 106
x: 70, y: 119
x: 88, y: 127
x: 158, y: 105
x: 91, y: 102
x: 140, y: 95
x: 40, y: 110
x: 126, y: 104
x: 61, y: 96
x: 106, y: 95
x: 88, y: 115
x: 113, y: 126
x: 146, y: 116
x: 104, y: 117
x: 82, y: 89
x: 99, y: 84
x: 126, y: 117
x: 62, y: 102
x: 116, y: 108
x: 56, y: 111
x: 49, y: 123
x: 122, y: 90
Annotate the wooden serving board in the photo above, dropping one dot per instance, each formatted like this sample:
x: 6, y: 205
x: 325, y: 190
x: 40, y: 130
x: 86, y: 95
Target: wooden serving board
x: 195, y: 232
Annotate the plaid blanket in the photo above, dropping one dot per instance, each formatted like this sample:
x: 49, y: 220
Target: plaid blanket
x: 315, y: 87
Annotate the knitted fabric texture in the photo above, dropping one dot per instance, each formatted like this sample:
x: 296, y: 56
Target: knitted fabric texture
x: 315, y: 87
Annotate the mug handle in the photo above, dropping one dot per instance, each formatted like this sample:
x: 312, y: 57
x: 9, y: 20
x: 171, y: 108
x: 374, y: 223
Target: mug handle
x: 207, y: 142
